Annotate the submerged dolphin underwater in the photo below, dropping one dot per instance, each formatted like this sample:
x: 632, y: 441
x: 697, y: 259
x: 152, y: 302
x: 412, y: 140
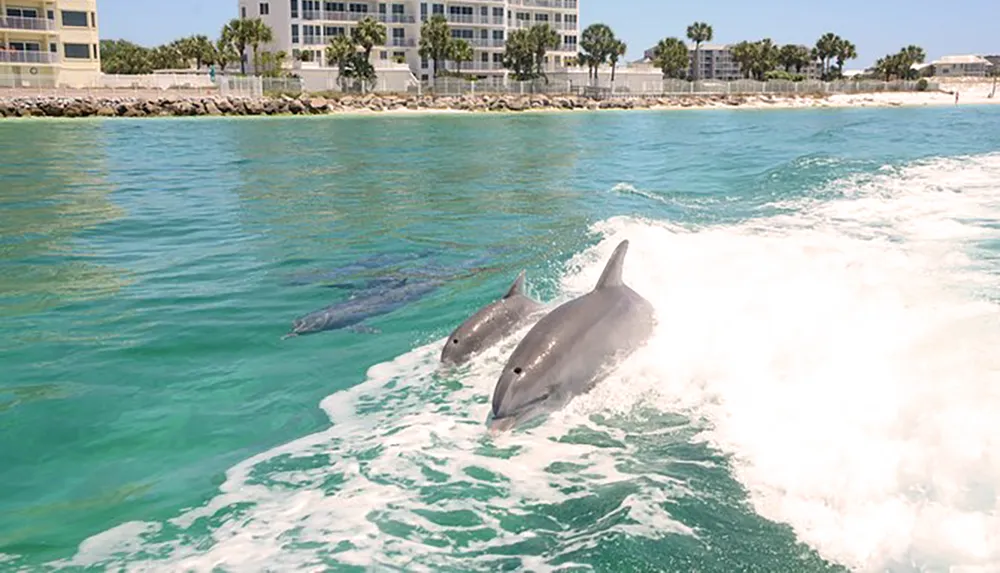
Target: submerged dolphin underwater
x: 350, y: 313
x: 571, y: 348
x: 490, y: 324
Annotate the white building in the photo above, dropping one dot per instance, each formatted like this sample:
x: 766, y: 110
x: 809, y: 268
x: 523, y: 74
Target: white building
x: 716, y: 62
x: 45, y: 43
x: 961, y: 66
x: 309, y: 25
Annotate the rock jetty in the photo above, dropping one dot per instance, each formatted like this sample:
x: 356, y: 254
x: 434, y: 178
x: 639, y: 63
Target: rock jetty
x: 174, y: 105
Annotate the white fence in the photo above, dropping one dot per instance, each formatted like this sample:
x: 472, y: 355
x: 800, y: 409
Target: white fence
x: 456, y: 86
x: 395, y: 81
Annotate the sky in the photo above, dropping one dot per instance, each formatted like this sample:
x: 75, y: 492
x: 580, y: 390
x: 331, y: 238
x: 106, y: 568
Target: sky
x: 877, y: 27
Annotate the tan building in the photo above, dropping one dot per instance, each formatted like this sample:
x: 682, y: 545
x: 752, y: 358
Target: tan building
x: 49, y: 42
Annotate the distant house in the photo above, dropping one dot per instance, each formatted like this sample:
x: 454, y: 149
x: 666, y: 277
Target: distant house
x: 961, y: 66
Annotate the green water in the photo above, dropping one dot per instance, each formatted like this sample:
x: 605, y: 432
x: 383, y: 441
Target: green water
x: 147, y: 274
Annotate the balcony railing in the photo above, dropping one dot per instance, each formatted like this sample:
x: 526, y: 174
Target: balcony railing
x: 18, y: 23
x: 485, y: 42
x: 357, y: 16
x: 561, y: 4
x: 25, y: 57
x: 402, y: 42
x: 475, y: 19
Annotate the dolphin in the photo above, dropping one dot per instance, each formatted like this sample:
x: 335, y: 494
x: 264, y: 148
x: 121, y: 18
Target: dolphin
x: 350, y: 313
x: 490, y: 324
x: 571, y: 348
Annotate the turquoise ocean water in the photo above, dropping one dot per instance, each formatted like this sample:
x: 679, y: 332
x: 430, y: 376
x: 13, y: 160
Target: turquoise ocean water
x: 821, y: 392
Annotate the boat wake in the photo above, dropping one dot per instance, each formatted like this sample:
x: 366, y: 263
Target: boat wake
x: 837, y: 362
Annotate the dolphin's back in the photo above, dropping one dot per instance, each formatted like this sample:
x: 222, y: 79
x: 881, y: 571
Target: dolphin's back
x: 572, y: 344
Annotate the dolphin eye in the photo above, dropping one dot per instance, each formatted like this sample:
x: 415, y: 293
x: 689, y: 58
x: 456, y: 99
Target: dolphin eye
x: 454, y: 341
x: 517, y: 370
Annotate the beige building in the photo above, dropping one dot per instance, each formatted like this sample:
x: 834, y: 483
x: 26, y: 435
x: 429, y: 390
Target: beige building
x: 49, y: 42
x: 307, y: 26
x: 961, y: 66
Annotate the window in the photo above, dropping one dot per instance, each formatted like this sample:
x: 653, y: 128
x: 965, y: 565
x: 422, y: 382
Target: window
x: 437, y: 9
x: 498, y: 34
x: 571, y: 20
x: 22, y: 13
x: 398, y: 9
x: 77, y: 51
x: 243, y: 11
x: 466, y: 34
x: 381, y: 8
x: 53, y: 48
x: 398, y: 33
x: 93, y: 19
x: 383, y: 55
x: 498, y: 12
x: 265, y: 9
x: 524, y: 16
x: 484, y: 57
x: 295, y: 33
x: 358, y: 8
x: 423, y: 11
x: 423, y: 62
x: 541, y: 17
x: 333, y: 6
x: 331, y: 31
x: 74, y: 19
x: 295, y: 8
x: 463, y: 10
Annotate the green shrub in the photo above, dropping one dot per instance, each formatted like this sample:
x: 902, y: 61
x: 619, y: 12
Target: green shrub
x: 922, y: 85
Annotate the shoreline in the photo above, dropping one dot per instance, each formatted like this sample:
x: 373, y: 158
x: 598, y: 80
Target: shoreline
x: 173, y: 105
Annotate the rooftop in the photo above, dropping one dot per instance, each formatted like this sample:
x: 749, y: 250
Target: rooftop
x: 964, y: 59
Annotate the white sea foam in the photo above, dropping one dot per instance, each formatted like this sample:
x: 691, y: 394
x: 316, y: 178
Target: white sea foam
x: 843, y: 354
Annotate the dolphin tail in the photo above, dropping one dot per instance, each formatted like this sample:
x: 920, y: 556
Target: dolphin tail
x: 612, y: 276
x: 516, y: 288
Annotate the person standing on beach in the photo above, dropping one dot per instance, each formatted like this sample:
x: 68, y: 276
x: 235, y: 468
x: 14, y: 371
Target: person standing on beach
x: 956, y: 97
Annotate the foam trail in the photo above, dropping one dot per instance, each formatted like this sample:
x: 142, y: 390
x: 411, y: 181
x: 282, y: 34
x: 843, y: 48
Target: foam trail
x: 843, y: 353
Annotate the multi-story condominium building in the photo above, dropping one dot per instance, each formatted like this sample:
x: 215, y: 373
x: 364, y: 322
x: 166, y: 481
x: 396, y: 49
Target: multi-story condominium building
x: 49, y: 42
x: 309, y: 25
x: 716, y: 62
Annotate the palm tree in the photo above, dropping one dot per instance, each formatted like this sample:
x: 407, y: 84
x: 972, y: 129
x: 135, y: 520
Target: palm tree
x: 845, y: 51
x: 259, y: 33
x: 518, y: 55
x: 699, y: 32
x: 765, y: 58
x: 368, y: 34
x: 340, y: 51
x: 794, y: 56
x: 238, y: 34
x: 617, y: 51
x: 461, y: 51
x: 995, y: 73
x: 745, y: 53
x: 826, y: 49
x: 671, y: 56
x: 222, y: 54
x: 596, y: 41
x: 435, y: 40
x: 542, y: 38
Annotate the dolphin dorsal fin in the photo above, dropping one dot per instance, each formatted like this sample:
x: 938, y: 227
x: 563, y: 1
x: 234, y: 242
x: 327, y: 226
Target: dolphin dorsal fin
x: 612, y: 275
x: 516, y: 288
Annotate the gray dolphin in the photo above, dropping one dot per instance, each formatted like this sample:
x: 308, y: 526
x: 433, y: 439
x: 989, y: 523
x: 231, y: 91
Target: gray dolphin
x: 490, y: 324
x: 350, y: 313
x: 571, y: 348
